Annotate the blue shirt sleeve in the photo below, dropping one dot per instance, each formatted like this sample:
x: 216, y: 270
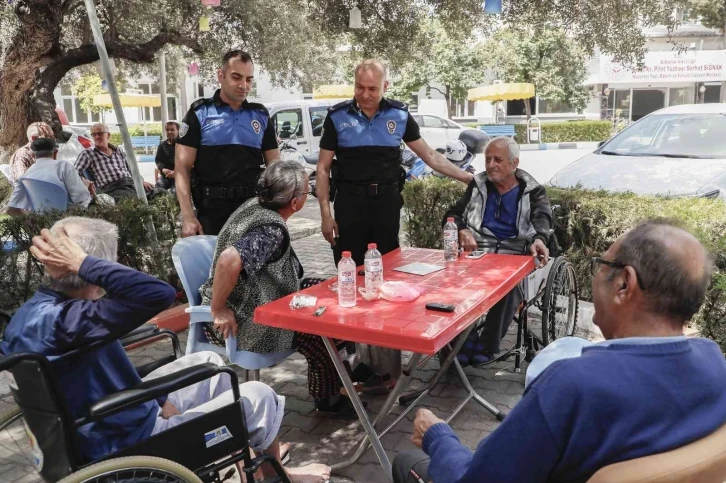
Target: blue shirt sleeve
x: 259, y: 246
x: 132, y: 298
x: 522, y: 448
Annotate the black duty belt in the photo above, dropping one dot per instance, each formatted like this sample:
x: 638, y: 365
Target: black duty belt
x: 227, y: 192
x: 372, y: 189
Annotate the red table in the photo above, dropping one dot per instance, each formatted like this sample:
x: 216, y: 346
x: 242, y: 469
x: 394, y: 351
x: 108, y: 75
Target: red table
x: 473, y: 286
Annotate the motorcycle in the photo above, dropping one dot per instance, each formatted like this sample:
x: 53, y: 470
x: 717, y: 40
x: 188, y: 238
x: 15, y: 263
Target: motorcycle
x: 290, y: 153
x: 417, y: 169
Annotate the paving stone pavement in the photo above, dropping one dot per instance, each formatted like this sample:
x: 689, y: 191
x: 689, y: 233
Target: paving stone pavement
x: 324, y: 439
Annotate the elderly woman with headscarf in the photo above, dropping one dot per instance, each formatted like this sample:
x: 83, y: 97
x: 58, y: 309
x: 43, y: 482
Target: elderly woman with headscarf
x: 254, y: 263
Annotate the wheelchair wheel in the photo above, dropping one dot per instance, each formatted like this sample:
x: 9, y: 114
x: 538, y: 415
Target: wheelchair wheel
x: 134, y: 469
x: 560, y: 302
x: 14, y: 439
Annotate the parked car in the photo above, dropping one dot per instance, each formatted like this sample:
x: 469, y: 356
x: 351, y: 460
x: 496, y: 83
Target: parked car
x: 436, y: 130
x: 76, y: 143
x: 676, y: 151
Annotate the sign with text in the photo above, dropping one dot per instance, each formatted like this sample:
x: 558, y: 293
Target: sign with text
x: 691, y: 66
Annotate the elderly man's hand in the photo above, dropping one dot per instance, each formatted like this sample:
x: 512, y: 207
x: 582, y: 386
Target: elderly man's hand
x: 540, y: 250
x: 466, y: 240
x: 168, y: 410
x: 225, y: 322
x: 90, y: 186
x: 60, y: 255
x: 148, y: 186
x: 424, y: 420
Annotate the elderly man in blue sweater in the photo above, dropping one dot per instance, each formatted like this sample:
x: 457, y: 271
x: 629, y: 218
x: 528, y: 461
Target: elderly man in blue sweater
x: 87, y: 302
x: 645, y: 390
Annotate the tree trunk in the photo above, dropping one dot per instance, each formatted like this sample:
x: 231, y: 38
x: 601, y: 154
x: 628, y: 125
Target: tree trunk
x: 449, y: 104
x: 527, y: 109
x: 36, y: 62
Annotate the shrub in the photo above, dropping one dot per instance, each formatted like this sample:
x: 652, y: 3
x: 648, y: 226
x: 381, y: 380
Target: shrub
x: 568, y: 132
x: 21, y: 275
x: 587, y: 224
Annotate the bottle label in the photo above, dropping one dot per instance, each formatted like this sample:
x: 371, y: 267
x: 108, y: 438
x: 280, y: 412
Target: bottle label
x: 374, y: 265
x: 346, y: 278
x: 450, y: 235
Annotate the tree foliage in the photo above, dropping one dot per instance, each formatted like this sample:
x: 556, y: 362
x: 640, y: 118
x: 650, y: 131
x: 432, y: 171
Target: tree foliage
x: 711, y: 12
x: 547, y: 58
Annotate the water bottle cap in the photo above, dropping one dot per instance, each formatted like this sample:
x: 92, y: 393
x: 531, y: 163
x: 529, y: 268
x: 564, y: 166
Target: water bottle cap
x: 372, y: 246
x: 347, y: 254
x: 450, y: 219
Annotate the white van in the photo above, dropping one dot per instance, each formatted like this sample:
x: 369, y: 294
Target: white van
x: 304, y: 119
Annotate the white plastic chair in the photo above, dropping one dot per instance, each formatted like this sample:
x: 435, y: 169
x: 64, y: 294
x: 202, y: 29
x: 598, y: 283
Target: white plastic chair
x: 192, y: 259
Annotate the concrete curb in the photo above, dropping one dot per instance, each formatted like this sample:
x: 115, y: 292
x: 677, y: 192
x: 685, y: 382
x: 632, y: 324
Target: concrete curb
x: 550, y: 146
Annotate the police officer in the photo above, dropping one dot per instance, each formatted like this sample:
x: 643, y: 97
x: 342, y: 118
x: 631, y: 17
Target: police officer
x: 224, y: 142
x: 365, y: 134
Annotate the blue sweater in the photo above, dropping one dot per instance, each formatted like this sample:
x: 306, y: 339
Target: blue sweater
x: 614, y: 403
x: 52, y: 324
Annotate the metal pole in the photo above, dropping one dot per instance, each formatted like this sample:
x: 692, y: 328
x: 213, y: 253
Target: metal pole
x: 723, y: 83
x: 162, y: 91
x: 113, y: 92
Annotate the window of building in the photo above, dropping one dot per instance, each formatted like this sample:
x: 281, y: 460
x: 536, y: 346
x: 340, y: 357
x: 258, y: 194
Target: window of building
x: 681, y: 95
x: 516, y: 107
x: 545, y: 106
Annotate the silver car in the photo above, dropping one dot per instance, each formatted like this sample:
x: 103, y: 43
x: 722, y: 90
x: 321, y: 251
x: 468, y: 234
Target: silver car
x: 676, y: 151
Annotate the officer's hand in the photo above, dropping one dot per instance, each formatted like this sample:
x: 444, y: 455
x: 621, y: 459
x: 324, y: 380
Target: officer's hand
x: 330, y: 229
x: 191, y: 227
x: 466, y: 240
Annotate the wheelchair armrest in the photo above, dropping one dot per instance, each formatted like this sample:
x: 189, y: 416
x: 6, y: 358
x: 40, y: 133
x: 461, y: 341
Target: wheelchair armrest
x: 198, y: 309
x: 154, y: 388
x: 140, y: 333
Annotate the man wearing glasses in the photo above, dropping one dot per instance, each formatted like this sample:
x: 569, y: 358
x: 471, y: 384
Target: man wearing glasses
x: 108, y: 166
x: 504, y: 210
x: 645, y: 390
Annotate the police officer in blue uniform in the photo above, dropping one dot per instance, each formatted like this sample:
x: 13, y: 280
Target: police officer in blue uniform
x: 223, y: 146
x: 364, y: 135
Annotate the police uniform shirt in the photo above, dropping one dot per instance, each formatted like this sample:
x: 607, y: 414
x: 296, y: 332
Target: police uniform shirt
x: 368, y: 150
x: 229, y: 143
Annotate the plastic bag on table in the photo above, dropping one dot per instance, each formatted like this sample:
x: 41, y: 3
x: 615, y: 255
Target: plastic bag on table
x: 396, y: 291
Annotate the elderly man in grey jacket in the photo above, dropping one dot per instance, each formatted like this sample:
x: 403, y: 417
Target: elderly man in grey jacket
x: 504, y: 210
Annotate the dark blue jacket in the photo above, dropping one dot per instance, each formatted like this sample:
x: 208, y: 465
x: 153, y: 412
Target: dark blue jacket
x: 53, y: 325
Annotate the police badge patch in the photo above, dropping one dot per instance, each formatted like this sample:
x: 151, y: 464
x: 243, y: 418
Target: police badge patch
x: 391, y: 125
x: 183, y: 129
x: 256, y: 126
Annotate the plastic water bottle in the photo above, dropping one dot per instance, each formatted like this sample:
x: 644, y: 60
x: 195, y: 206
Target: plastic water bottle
x: 374, y: 271
x: 346, y: 281
x: 451, y: 241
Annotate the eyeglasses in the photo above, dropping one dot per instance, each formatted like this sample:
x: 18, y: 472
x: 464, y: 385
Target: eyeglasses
x: 595, y: 263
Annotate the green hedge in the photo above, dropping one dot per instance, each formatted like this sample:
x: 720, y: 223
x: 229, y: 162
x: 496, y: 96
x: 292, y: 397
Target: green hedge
x: 566, y: 132
x: 20, y: 276
x: 138, y: 130
x: 588, y: 223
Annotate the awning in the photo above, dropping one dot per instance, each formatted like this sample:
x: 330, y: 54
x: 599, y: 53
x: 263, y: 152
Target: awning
x: 502, y: 92
x: 333, y: 92
x: 128, y: 100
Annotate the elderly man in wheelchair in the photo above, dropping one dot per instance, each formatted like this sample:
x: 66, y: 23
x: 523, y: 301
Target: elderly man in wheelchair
x: 86, y: 410
x: 504, y: 210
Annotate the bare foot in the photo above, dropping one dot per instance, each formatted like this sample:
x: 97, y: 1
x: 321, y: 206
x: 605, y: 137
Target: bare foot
x: 315, y: 473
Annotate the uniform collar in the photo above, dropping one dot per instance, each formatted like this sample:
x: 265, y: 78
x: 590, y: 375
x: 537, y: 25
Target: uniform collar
x: 354, y: 109
x: 220, y: 103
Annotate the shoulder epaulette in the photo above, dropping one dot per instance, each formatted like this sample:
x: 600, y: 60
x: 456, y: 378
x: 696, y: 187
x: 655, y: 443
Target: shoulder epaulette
x: 256, y: 106
x: 201, y: 102
x: 397, y: 104
x: 340, y: 105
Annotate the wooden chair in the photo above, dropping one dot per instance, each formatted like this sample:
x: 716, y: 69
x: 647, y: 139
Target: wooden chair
x: 703, y: 461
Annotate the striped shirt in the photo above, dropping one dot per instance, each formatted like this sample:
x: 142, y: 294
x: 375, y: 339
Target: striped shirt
x: 21, y: 161
x: 104, y: 168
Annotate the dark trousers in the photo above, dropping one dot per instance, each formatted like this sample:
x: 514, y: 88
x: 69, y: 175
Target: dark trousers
x: 165, y: 183
x: 366, y: 219
x: 119, y: 189
x: 498, y: 320
x: 411, y: 467
x: 213, y: 213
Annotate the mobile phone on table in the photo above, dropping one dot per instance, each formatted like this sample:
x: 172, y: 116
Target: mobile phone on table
x: 440, y: 307
x: 476, y: 254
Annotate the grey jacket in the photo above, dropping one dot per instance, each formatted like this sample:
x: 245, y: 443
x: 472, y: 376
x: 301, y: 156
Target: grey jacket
x: 534, y: 214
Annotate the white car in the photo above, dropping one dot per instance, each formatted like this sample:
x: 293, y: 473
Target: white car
x: 436, y: 130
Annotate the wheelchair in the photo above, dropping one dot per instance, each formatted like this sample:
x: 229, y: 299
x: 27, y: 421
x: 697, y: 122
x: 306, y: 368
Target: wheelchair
x: 194, y: 452
x: 554, y: 291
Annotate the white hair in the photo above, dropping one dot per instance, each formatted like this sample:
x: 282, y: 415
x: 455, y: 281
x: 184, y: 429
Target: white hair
x: 38, y: 129
x: 98, y: 238
x: 510, y: 143
x: 280, y: 183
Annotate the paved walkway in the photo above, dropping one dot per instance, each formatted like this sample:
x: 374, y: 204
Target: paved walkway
x: 323, y: 439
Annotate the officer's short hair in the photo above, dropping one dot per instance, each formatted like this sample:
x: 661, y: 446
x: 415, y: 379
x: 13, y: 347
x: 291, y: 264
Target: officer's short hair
x: 172, y: 123
x: 370, y: 64
x: 236, y: 54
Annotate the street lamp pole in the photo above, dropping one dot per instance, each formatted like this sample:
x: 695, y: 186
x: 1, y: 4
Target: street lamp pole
x: 113, y: 92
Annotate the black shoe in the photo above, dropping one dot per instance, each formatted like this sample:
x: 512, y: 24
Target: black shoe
x: 342, y: 408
